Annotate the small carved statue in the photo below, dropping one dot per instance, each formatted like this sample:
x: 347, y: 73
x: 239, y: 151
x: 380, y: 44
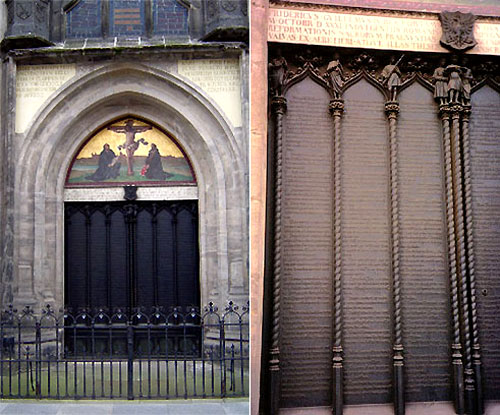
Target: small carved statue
x: 391, y: 77
x: 455, y: 85
x: 466, y: 82
x: 277, y: 74
x: 336, y: 75
x: 440, y: 82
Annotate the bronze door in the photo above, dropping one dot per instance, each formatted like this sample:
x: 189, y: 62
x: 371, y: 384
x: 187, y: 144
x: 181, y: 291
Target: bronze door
x: 131, y: 254
x: 383, y: 231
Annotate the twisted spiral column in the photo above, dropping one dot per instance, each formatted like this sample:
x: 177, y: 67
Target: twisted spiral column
x: 458, y: 371
x: 392, y: 111
x: 336, y: 110
x: 469, y: 228
x: 278, y: 107
x: 456, y: 111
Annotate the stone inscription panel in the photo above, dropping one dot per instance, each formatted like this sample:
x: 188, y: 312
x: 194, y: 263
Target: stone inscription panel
x: 481, y: 7
x: 307, y: 248
x: 106, y: 194
x: 34, y: 84
x: 423, y: 248
x: 366, y: 285
x: 485, y: 168
x: 370, y: 31
x: 219, y: 78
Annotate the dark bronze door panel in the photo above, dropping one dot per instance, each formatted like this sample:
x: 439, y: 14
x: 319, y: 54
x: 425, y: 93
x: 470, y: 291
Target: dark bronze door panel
x: 128, y: 255
x: 307, y: 242
x: 485, y: 172
x: 140, y: 256
x: 382, y: 252
x: 366, y: 248
x: 424, y: 266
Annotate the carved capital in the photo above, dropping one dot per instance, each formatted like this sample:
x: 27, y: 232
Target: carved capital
x: 337, y: 358
x: 466, y: 113
x: 274, y: 361
x: 398, y: 357
x: 469, y: 379
x: 336, y: 107
x: 455, y: 110
x: 398, y: 347
x: 444, y: 111
x: 278, y: 105
x: 476, y: 353
x: 337, y: 350
x: 392, y: 109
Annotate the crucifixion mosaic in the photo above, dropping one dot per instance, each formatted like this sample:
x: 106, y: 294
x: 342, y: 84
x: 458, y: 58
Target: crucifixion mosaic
x: 130, y: 151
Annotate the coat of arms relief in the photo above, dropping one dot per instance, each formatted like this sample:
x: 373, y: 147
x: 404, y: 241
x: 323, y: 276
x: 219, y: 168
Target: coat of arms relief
x: 458, y: 30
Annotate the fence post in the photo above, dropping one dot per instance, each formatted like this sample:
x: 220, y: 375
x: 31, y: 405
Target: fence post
x: 130, y: 361
x: 38, y: 360
x: 1, y: 353
x: 223, y: 357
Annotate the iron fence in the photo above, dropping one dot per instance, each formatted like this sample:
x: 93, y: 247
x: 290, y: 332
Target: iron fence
x: 182, y: 353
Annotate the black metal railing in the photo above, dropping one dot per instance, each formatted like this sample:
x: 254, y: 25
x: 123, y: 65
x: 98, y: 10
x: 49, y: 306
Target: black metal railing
x: 182, y: 353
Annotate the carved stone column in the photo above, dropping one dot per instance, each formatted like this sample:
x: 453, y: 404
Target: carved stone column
x: 336, y: 110
x: 7, y: 213
x: 392, y: 111
x: 476, y: 349
x: 278, y: 108
x: 225, y: 19
x: 456, y: 111
x: 28, y: 24
x: 456, y: 346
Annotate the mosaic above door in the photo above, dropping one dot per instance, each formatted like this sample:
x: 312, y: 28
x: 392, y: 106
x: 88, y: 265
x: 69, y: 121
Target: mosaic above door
x: 128, y: 152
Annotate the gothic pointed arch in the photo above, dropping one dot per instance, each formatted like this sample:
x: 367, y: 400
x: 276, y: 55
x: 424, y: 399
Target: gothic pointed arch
x: 170, y: 104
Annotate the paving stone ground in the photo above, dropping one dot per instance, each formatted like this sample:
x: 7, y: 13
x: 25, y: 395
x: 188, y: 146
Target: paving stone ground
x: 189, y: 407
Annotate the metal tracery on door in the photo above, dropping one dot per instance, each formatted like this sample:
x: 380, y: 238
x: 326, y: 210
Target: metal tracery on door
x: 131, y: 256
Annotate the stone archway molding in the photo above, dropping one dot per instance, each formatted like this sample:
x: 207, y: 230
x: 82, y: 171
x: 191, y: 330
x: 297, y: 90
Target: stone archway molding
x: 73, y: 115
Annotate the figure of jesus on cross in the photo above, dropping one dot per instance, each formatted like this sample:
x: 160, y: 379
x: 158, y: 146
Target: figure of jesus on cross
x: 130, y: 145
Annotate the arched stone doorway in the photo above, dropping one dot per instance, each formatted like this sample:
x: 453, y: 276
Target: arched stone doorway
x: 75, y: 114
x: 127, y: 250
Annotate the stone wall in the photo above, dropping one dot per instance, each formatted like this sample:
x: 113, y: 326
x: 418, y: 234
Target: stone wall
x: 3, y: 18
x: 3, y: 28
x: 107, y: 86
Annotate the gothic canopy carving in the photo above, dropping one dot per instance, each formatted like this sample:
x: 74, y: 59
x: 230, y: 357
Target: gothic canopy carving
x: 451, y: 77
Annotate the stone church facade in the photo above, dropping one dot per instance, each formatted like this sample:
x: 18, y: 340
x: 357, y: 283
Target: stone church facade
x: 374, y: 279
x: 70, y: 69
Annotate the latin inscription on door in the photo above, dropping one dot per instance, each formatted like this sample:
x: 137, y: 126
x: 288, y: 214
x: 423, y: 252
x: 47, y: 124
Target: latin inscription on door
x: 307, y: 241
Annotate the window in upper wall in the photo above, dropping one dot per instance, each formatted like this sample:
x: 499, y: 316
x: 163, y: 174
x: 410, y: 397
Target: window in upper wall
x: 170, y: 18
x: 83, y: 20
x: 126, y: 18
